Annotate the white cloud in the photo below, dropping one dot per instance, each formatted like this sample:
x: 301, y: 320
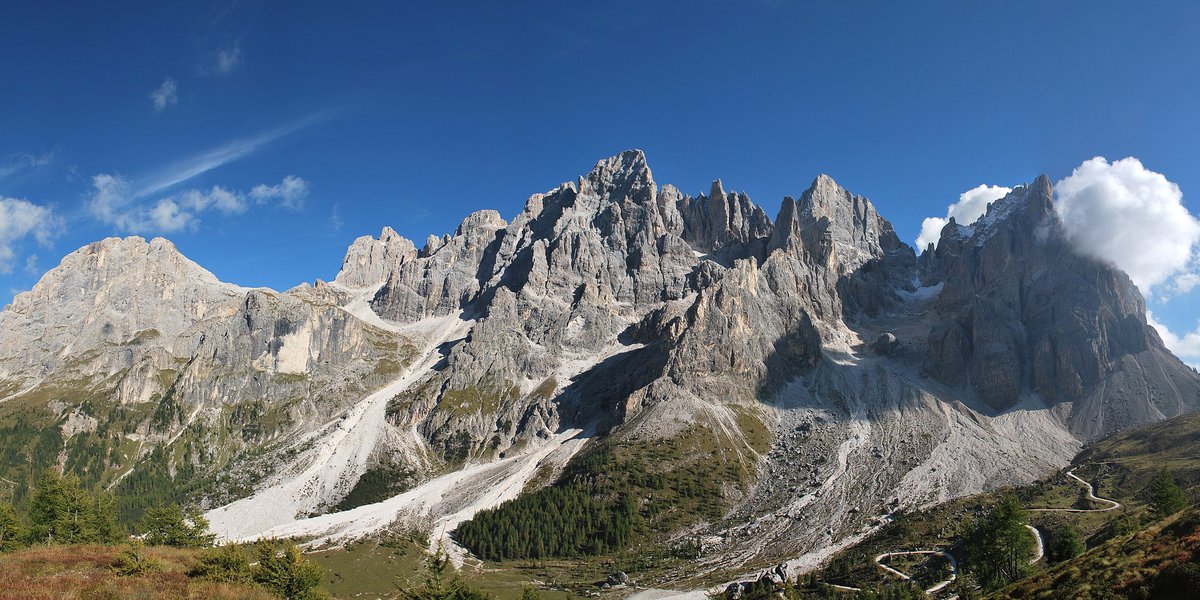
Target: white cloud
x: 20, y: 219
x: 112, y: 203
x: 228, y: 58
x: 290, y: 192
x: 218, y: 197
x: 971, y: 205
x: 1132, y: 217
x: 1186, y: 346
x: 165, y: 95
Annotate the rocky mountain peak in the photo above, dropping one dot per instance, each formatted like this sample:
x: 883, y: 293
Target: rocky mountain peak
x: 368, y: 260
x: 615, y: 306
x: 855, y: 229
x: 109, y: 292
x: 481, y: 219
x: 625, y: 176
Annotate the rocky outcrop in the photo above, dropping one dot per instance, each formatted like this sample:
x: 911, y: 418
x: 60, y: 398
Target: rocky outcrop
x: 723, y: 226
x: 369, y: 260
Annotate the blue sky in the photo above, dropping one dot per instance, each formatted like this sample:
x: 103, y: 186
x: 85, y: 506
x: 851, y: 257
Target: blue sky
x: 278, y: 132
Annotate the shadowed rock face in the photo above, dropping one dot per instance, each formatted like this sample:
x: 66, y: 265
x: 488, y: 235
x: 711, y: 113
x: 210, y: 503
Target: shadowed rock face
x: 1022, y: 312
x: 619, y: 306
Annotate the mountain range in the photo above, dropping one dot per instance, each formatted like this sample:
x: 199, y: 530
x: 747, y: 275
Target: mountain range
x: 768, y: 389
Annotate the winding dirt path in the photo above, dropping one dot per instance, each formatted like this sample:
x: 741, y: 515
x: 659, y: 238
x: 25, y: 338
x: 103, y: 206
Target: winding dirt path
x: 1040, y: 551
x: 1091, y: 495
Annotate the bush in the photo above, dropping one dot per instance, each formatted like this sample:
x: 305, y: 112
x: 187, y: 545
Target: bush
x: 1178, y: 580
x: 227, y: 564
x: 283, y: 570
x: 134, y: 561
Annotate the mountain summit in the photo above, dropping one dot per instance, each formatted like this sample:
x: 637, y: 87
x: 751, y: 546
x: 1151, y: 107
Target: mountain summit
x: 773, y: 387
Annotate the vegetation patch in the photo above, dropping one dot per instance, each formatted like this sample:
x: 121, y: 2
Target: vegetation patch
x: 378, y: 484
x: 562, y: 521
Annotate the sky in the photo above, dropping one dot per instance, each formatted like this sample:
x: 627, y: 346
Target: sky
x: 262, y: 138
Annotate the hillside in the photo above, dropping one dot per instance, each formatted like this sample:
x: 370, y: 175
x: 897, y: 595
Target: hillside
x: 1161, y: 561
x: 1125, y: 545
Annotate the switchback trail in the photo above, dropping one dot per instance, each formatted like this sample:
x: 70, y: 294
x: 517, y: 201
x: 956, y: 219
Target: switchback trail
x: 1039, y: 552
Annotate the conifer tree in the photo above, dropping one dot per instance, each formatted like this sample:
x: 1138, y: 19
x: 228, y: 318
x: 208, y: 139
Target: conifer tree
x: 12, y: 533
x: 1000, y: 547
x: 1166, y: 498
x: 63, y: 512
x: 173, y: 526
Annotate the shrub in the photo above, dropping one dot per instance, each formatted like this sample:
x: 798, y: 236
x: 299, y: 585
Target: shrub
x: 228, y: 564
x: 135, y: 561
x: 283, y: 570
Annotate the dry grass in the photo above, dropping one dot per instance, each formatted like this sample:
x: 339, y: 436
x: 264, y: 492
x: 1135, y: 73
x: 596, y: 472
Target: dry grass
x: 86, y: 573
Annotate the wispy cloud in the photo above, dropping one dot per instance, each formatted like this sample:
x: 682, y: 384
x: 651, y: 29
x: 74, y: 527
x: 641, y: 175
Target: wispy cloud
x: 23, y: 161
x: 204, y: 162
x: 1185, y: 346
x: 227, y: 59
x: 165, y: 95
x: 335, y: 219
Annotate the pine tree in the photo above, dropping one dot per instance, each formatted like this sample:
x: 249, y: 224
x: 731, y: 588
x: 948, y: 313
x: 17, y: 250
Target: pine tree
x: 1064, y: 543
x: 173, y: 526
x: 441, y: 582
x: 12, y: 533
x: 62, y: 512
x: 1166, y: 498
x: 1000, y: 546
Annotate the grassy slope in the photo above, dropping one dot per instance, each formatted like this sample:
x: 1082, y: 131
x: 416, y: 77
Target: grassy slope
x: 1120, y: 567
x: 56, y: 572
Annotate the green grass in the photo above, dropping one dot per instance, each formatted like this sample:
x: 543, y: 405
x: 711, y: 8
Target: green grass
x: 373, y: 569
